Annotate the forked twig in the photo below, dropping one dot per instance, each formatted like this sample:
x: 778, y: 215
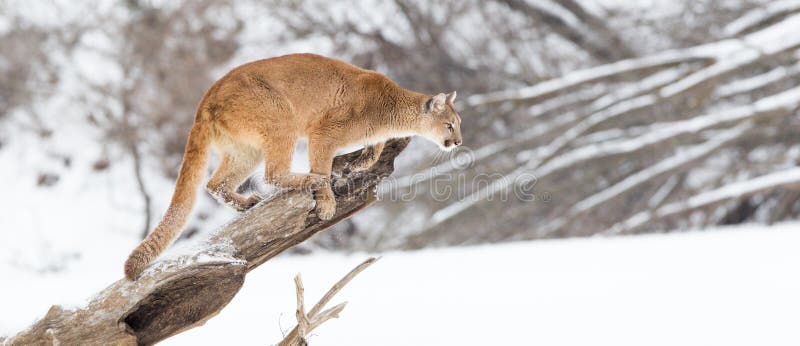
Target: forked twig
x: 307, y: 322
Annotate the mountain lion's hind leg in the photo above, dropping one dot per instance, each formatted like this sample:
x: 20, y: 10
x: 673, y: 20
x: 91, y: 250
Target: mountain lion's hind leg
x: 233, y: 169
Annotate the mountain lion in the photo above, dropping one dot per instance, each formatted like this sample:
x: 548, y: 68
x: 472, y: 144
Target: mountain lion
x: 259, y: 110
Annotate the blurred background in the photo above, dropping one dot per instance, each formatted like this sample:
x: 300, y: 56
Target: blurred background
x: 618, y: 117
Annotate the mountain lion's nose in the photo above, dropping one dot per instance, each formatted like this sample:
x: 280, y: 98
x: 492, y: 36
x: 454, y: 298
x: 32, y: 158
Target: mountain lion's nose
x: 457, y: 142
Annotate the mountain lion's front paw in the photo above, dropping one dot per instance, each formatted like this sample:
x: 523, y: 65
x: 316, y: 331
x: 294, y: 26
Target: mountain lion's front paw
x: 326, y: 207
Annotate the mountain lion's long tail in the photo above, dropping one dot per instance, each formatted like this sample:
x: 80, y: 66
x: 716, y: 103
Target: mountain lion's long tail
x: 191, y: 174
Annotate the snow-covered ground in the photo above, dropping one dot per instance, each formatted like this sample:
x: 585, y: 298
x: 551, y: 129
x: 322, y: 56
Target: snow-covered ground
x: 731, y: 286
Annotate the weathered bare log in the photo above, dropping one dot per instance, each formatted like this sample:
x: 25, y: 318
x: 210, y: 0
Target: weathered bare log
x: 180, y: 293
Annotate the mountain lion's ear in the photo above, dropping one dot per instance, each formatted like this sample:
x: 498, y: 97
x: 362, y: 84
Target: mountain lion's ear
x: 451, y: 97
x: 435, y: 103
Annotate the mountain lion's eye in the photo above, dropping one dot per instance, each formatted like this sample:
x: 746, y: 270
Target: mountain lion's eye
x: 449, y: 127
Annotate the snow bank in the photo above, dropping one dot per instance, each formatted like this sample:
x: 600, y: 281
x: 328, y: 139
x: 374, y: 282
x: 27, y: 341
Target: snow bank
x: 734, y: 286
x: 731, y: 287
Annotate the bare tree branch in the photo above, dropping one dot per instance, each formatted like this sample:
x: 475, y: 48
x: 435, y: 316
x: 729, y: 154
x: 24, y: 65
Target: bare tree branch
x: 606, y: 47
x: 783, y: 179
x: 306, y: 322
x: 146, y: 199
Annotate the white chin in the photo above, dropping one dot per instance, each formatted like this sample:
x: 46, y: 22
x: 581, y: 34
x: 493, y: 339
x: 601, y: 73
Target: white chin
x: 444, y: 148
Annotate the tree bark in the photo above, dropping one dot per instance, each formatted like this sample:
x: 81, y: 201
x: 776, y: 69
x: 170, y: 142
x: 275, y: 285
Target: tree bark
x: 177, y: 294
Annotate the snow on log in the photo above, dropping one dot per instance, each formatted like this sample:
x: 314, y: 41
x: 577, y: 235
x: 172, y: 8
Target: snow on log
x: 761, y: 15
x: 787, y: 179
x: 721, y: 56
x: 780, y: 104
x: 672, y: 164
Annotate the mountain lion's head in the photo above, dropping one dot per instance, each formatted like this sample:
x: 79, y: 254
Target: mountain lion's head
x: 441, y: 123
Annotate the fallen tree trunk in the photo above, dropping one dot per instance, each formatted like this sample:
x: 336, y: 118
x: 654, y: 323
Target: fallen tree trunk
x: 180, y: 293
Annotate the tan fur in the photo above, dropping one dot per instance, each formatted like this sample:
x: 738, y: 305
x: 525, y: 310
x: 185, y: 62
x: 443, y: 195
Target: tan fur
x: 259, y: 110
